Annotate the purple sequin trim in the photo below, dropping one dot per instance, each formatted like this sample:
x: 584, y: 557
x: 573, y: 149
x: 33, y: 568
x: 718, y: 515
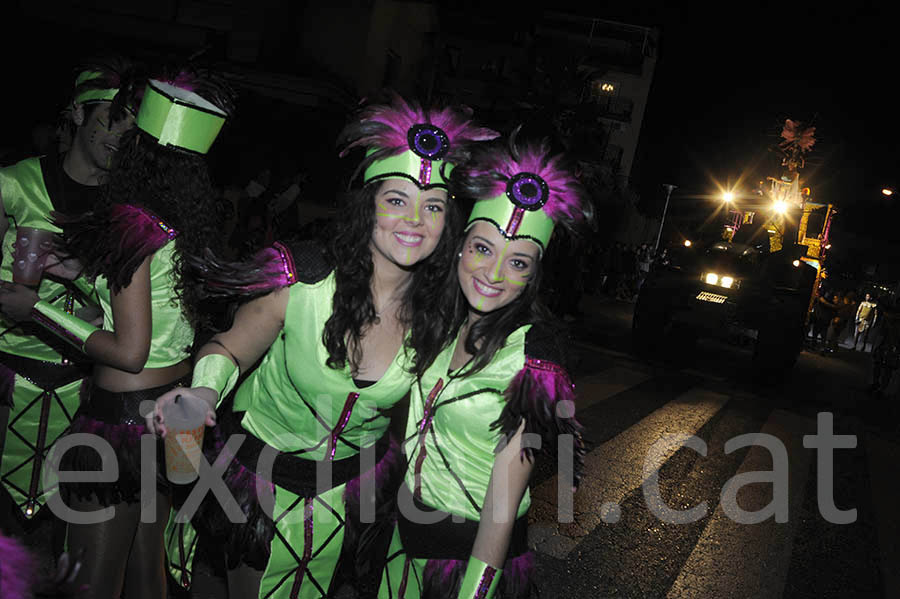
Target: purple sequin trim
x: 56, y: 328
x: 484, y: 585
x: 425, y: 172
x: 512, y: 227
x: 307, y: 547
x: 342, y: 423
x: 427, y: 417
x: 287, y: 262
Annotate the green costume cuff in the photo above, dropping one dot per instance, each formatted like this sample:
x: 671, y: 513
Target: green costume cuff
x: 480, y: 581
x: 64, y: 325
x: 217, y: 372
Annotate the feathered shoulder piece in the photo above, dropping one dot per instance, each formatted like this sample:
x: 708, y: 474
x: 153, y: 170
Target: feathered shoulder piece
x: 279, y: 265
x: 402, y: 139
x: 115, y: 246
x: 543, y: 395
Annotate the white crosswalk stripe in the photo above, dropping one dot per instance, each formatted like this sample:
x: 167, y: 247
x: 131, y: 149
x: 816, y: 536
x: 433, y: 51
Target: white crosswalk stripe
x: 608, y: 383
x: 617, y: 468
x: 764, y: 547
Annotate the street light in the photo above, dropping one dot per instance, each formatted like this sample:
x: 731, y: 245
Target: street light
x: 669, y: 187
x: 887, y: 191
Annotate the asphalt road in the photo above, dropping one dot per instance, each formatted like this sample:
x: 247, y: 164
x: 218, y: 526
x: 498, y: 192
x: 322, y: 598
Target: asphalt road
x: 667, y: 437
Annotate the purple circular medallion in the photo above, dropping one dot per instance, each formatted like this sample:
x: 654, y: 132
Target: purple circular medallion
x: 428, y: 141
x: 527, y: 191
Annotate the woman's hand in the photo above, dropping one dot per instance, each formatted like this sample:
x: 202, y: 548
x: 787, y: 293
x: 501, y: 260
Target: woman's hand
x: 155, y: 420
x: 61, y: 267
x: 16, y: 301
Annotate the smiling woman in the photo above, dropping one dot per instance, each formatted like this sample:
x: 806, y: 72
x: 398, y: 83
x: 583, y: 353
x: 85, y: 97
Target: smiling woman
x: 502, y: 377
x: 341, y: 331
x: 408, y: 221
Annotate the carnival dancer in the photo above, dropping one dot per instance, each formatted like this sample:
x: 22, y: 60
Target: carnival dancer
x: 158, y: 205
x: 340, y: 334
x: 40, y: 375
x: 462, y: 523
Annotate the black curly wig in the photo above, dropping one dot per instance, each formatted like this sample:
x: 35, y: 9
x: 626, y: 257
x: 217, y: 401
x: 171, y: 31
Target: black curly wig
x: 353, y: 309
x: 171, y: 183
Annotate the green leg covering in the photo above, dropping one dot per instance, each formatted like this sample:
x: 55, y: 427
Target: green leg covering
x: 181, y: 544
x: 308, y: 537
x: 37, y: 419
x: 402, y: 578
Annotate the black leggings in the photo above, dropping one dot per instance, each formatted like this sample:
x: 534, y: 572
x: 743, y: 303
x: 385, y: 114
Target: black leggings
x: 121, y: 556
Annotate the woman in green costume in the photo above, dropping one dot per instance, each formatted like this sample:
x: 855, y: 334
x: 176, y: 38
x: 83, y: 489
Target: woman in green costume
x: 496, y: 393
x: 155, y: 207
x: 341, y: 332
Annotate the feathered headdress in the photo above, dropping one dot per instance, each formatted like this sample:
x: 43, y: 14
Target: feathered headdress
x: 523, y: 193
x: 406, y: 141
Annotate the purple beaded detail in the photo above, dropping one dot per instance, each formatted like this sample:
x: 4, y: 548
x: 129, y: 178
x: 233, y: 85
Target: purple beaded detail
x: 425, y: 172
x: 69, y: 305
x: 342, y: 423
x: 169, y: 231
x: 428, y: 141
x: 484, y: 585
x: 512, y: 227
x: 287, y: 262
x: 527, y: 191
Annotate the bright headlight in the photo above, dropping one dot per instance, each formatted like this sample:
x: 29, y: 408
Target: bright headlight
x: 712, y: 278
x: 726, y: 282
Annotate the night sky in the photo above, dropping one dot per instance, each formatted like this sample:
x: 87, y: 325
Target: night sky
x: 728, y: 78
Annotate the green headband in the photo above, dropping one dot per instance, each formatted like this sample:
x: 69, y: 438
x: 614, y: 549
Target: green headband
x: 179, y: 118
x: 408, y: 165
x: 94, y: 94
x: 518, y: 212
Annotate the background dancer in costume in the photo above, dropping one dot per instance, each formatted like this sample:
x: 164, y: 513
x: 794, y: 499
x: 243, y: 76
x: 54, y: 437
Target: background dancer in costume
x: 157, y: 206
x: 340, y: 334
x: 41, y: 375
x: 502, y: 377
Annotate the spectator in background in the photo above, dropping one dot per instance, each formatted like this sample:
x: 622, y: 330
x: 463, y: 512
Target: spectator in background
x: 824, y: 310
x: 842, y: 316
x: 866, y: 315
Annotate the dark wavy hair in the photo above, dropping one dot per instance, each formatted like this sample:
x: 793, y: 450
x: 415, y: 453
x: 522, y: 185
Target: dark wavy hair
x: 353, y: 309
x: 474, y: 181
x: 171, y: 183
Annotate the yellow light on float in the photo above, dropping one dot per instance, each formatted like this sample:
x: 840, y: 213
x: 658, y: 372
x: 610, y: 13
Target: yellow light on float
x: 780, y: 206
x: 712, y: 278
x: 796, y: 263
x: 726, y: 282
x: 687, y: 243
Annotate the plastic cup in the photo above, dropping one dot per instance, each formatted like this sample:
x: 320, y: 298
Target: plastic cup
x: 185, y: 421
x: 30, y: 253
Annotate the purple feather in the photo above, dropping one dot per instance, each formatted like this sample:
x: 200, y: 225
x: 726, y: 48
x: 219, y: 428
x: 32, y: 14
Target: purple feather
x: 565, y: 190
x: 270, y: 268
x: 16, y: 569
x: 542, y: 394
x: 393, y: 121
